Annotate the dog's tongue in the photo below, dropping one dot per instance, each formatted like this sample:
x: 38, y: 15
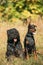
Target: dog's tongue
x: 34, y: 33
x: 15, y: 40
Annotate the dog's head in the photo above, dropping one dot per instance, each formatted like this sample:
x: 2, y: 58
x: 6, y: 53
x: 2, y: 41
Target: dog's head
x: 13, y: 35
x: 32, y: 28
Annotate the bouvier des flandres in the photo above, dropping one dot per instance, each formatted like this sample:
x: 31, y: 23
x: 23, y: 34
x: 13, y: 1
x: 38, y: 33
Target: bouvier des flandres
x: 14, y: 46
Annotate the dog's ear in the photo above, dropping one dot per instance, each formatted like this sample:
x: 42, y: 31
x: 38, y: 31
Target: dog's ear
x: 29, y: 25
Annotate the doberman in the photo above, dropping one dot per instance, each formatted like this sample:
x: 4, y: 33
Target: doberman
x: 29, y: 41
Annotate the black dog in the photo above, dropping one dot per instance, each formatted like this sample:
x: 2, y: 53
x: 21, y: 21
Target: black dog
x: 29, y: 42
x: 14, y: 46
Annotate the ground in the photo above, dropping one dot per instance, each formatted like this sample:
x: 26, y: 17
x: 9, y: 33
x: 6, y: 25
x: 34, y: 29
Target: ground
x: 4, y: 26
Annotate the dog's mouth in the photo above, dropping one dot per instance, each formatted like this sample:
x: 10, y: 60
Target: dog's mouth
x: 34, y: 32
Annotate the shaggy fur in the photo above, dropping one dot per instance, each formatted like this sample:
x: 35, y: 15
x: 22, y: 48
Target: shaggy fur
x: 13, y: 48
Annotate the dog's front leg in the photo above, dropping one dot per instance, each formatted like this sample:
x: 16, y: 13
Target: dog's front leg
x: 35, y: 55
x: 26, y: 54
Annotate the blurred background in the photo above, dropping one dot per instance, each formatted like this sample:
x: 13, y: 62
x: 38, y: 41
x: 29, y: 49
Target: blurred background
x: 20, y: 8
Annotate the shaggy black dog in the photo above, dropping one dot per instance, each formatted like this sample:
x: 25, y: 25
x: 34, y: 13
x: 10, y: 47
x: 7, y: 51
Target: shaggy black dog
x: 14, y: 46
x: 29, y: 41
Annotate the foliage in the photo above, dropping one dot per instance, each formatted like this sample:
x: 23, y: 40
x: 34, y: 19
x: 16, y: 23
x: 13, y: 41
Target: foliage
x: 16, y: 8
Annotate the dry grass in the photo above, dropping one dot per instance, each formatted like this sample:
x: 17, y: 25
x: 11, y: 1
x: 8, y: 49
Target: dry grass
x: 22, y: 30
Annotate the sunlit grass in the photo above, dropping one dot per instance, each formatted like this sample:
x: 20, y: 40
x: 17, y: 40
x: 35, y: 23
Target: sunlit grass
x: 22, y: 30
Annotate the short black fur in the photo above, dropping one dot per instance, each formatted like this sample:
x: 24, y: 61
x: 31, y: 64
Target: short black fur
x: 30, y: 46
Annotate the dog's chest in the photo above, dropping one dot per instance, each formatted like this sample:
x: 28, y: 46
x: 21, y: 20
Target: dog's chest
x: 30, y: 39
